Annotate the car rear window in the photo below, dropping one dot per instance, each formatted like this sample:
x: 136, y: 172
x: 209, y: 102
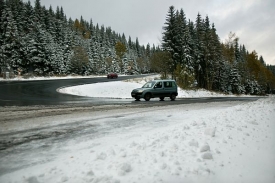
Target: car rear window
x: 174, y: 84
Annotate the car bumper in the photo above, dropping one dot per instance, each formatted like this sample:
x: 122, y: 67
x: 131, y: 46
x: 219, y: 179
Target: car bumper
x: 135, y: 94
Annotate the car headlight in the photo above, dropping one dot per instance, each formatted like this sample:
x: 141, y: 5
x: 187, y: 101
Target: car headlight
x: 140, y: 91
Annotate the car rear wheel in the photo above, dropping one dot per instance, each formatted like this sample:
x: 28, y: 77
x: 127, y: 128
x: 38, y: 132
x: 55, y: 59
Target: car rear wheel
x: 173, y: 97
x: 147, y: 96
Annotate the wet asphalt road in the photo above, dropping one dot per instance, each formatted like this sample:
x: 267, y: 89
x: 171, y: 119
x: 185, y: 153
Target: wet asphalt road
x: 43, y: 92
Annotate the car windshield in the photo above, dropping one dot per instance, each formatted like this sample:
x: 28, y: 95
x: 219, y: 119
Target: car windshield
x: 149, y: 84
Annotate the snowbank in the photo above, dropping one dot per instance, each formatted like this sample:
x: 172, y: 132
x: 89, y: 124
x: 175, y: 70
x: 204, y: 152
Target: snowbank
x: 122, y: 89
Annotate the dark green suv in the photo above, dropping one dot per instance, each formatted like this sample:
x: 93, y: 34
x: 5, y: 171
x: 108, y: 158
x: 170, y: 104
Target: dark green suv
x: 156, y: 89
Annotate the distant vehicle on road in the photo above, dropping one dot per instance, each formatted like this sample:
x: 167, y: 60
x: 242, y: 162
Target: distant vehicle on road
x: 112, y: 76
x: 156, y: 88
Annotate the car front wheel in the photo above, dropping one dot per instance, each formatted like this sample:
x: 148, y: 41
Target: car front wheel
x: 147, y: 96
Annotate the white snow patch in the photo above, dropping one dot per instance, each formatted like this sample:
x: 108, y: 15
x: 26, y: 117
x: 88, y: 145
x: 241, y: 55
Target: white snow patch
x: 207, y: 155
x: 210, y: 131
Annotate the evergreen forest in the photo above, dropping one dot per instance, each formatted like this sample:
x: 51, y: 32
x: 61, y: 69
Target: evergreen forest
x: 43, y: 42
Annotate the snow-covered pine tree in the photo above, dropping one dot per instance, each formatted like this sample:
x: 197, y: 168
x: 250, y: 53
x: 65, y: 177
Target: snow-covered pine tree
x: 2, y: 3
x: 9, y: 41
x: 208, y: 56
x: 169, y: 37
x: 235, y: 85
x: 188, y: 58
x: 261, y: 59
x: 184, y: 72
x: 222, y: 79
x: 199, y: 55
x: 216, y: 53
x: 2, y: 64
x: 191, y: 43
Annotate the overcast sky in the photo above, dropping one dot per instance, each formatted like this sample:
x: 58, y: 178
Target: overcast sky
x: 253, y: 21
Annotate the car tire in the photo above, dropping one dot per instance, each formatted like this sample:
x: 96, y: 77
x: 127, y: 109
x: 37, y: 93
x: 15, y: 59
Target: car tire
x: 161, y: 98
x: 137, y: 98
x: 173, y: 97
x: 147, y: 96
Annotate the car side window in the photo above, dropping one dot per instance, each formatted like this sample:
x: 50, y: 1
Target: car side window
x: 167, y: 84
x: 158, y: 85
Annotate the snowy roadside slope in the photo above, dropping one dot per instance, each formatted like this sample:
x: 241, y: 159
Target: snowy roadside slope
x: 213, y: 143
x: 122, y: 89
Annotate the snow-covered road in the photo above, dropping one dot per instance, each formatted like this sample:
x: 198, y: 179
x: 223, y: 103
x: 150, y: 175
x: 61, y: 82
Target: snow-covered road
x: 212, y: 142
